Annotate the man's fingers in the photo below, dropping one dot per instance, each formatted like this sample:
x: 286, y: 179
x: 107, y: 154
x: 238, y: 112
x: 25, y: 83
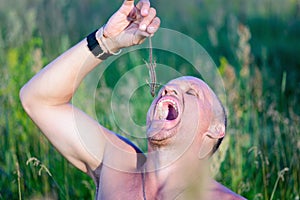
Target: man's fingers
x: 143, y: 6
x: 154, y: 25
x: 148, y: 19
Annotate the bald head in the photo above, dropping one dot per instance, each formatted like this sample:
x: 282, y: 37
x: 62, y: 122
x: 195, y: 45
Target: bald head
x: 189, y: 107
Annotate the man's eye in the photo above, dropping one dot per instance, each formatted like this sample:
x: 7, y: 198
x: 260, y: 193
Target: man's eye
x: 192, y: 92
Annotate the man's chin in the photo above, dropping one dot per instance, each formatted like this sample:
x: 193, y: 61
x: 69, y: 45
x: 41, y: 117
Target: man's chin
x: 159, y: 136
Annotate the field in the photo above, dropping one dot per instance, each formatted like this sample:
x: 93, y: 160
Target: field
x: 252, y: 48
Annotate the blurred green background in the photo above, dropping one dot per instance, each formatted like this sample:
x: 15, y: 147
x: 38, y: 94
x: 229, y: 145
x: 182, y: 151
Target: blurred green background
x: 255, y: 44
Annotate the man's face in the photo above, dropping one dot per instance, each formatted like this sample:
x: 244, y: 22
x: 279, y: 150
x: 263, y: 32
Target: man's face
x: 181, y: 112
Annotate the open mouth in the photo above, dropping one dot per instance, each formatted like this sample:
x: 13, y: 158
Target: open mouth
x: 167, y: 109
x: 165, y: 120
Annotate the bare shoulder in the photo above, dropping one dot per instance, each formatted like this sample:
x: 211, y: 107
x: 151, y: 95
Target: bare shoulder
x: 123, y: 154
x: 219, y: 191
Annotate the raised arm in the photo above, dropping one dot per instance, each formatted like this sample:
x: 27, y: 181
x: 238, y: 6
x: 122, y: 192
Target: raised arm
x: 46, y: 97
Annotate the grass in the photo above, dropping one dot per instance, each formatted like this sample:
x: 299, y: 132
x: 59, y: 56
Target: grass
x: 260, y: 157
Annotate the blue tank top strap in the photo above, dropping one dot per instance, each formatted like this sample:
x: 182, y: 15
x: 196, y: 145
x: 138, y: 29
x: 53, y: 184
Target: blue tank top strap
x: 140, y: 154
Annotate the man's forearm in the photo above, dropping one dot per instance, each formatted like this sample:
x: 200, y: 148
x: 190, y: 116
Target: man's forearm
x: 58, y: 81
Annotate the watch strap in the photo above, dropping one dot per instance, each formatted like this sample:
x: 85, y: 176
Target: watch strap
x: 95, y: 48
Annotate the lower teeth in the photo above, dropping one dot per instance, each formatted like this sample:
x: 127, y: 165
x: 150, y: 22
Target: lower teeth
x: 163, y: 113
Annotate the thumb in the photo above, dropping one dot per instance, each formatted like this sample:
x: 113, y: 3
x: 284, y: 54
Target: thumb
x: 127, y: 7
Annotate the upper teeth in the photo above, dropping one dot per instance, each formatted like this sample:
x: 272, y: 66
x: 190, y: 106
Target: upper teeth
x: 164, y: 110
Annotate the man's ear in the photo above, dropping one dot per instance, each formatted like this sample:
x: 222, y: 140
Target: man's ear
x: 206, y: 147
x: 215, y: 132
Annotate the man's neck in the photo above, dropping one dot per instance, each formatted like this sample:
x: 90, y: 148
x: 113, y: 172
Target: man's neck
x: 171, y: 173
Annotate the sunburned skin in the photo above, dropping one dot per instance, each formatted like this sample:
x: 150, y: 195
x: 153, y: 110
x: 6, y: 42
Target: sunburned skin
x: 177, y: 121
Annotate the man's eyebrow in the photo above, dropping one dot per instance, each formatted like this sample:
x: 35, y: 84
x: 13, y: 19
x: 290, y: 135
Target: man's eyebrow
x: 198, y: 89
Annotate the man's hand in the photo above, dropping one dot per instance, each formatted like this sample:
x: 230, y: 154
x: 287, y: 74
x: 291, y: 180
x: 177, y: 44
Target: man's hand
x: 130, y: 25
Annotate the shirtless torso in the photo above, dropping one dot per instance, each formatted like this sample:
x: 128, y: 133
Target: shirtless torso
x: 184, y: 122
x: 136, y: 186
x: 127, y: 174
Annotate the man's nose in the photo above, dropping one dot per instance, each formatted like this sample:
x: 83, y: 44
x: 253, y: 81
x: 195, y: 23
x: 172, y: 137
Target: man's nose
x: 169, y: 90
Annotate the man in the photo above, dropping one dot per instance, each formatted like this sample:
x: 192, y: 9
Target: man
x: 186, y: 122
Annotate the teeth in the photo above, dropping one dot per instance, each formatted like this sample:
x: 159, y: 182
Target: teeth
x: 163, y: 110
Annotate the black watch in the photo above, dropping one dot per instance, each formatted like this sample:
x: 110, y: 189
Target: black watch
x: 94, y: 46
